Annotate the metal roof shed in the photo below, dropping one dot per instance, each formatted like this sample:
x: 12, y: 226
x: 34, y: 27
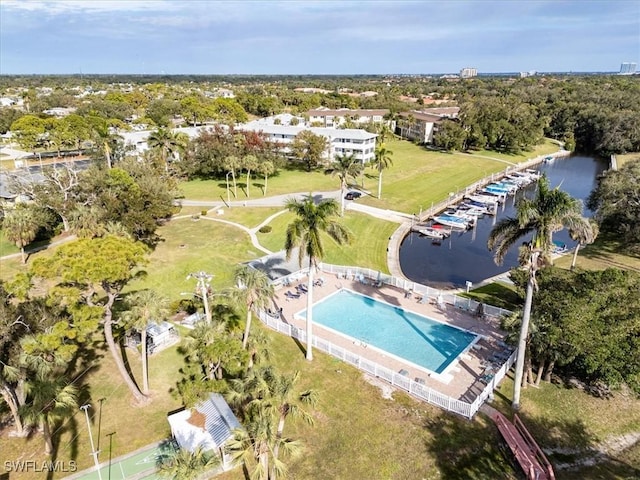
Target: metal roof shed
x: 208, y: 425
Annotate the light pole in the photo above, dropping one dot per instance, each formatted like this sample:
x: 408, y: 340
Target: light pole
x: 94, y: 452
x: 204, y: 280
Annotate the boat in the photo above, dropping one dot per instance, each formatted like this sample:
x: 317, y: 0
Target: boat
x: 452, y: 221
x: 484, y: 199
x: 495, y: 191
x: 548, y: 159
x: 435, y: 233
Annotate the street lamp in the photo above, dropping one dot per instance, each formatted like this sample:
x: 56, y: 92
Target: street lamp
x: 204, y: 280
x: 94, y: 452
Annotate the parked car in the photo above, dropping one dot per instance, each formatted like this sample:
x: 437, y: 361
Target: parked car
x: 352, y: 195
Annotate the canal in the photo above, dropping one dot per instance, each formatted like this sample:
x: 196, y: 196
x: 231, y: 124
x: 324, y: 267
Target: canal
x: 464, y: 257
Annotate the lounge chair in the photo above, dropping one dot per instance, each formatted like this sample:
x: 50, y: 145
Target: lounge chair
x: 404, y: 372
x: 423, y: 300
x: 420, y: 381
x: 290, y: 294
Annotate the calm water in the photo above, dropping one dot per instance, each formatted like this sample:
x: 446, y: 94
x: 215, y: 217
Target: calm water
x: 424, y: 342
x: 464, y: 256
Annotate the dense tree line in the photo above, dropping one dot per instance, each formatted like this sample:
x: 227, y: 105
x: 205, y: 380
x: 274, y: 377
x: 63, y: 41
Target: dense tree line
x: 616, y: 201
x: 585, y: 324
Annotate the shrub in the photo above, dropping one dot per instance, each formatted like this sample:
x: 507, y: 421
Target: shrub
x: 203, y: 213
x: 265, y: 229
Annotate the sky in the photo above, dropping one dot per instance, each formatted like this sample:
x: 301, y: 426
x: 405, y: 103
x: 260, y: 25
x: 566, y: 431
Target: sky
x: 316, y: 37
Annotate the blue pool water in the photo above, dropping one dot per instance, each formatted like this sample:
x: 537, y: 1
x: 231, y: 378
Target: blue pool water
x: 424, y: 342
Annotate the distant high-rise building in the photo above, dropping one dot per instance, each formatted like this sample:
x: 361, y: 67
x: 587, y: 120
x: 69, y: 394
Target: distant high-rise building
x: 468, y: 72
x: 628, y: 68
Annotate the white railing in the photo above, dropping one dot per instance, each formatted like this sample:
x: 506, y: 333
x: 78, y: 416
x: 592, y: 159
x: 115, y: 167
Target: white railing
x: 429, y: 395
x: 374, y: 277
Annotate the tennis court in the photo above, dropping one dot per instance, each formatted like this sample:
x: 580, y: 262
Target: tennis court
x: 140, y: 464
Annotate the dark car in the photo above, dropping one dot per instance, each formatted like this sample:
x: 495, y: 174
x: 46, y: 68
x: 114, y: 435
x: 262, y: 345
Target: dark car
x: 352, y: 195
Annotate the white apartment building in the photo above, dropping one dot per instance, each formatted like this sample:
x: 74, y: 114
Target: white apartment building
x: 335, y: 118
x: 468, y: 72
x: 359, y: 143
x: 420, y: 125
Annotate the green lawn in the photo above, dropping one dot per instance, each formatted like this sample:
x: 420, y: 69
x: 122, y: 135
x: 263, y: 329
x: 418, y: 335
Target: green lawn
x: 420, y: 178
x: 6, y: 247
x: 368, y: 248
x: 285, y: 181
x: 363, y: 435
x: 190, y: 246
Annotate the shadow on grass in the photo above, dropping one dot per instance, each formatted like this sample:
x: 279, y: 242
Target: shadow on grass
x: 465, y: 450
x: 496, y: 294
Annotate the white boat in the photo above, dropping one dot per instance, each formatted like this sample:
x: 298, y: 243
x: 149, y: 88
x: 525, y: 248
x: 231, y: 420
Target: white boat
x: 487, y: 199
x: 452, y: 221
x: 437, y: 233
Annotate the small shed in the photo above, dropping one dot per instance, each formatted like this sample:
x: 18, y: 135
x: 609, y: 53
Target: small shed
x: 209, y: 425
x: 161, y: 335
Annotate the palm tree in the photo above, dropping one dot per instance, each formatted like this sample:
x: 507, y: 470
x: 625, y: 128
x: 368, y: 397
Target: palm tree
x: 583, y: 237
x: 167, y: 143
x: 550, y: 211
x: 266, y: 168
x: 304, y: 233
x: 231, y: 164
x: 382, y: 161
x: 344, y: 166
x: 285, y: 400
x: 254, y: 289
x: 51, y: 398
x: 254, y: 446
x: 21, y: 226
x: 249, y: 162
x: 185, y: 465
x: 145, y: 307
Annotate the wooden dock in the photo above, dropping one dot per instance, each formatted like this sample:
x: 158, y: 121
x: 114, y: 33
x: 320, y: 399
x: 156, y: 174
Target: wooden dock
x: 530, y: 457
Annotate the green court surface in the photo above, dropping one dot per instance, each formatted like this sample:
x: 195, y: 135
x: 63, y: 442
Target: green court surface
x: 140, y: 464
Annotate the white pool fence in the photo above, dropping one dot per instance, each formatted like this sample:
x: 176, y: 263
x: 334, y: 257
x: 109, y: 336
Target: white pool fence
x: 423, y: 392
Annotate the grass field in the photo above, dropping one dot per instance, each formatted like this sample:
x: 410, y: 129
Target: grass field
x: 358, y: 434
x: 372, y: 232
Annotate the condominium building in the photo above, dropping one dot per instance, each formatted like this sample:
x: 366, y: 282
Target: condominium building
x: 468, y: 72
x: 420, y: 125
x: 347, y: 141
x: 334, y: 118
x: 628, y: 68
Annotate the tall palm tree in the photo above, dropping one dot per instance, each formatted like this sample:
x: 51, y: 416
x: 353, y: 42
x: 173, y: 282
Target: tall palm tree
x: 21, y: 226
x: 145, y: 307
x: 254, y: 289
x: 231, y: 164
x: 266, y: 168
x: 167, y: 143
x: 254, y: 446
x: 287, y: 401
x: 51, y: 398
x: 382, y: 160
x: 583, y: 237
x: 344, y: 167
x: 249, y: 162
x: 304, y: 233
x: 550, y: 211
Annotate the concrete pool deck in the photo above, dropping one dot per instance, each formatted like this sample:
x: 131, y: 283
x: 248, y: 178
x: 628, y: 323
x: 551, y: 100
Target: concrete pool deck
x: 462, y: 380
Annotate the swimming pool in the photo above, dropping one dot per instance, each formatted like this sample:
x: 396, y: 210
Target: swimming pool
x: 404, y: 334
